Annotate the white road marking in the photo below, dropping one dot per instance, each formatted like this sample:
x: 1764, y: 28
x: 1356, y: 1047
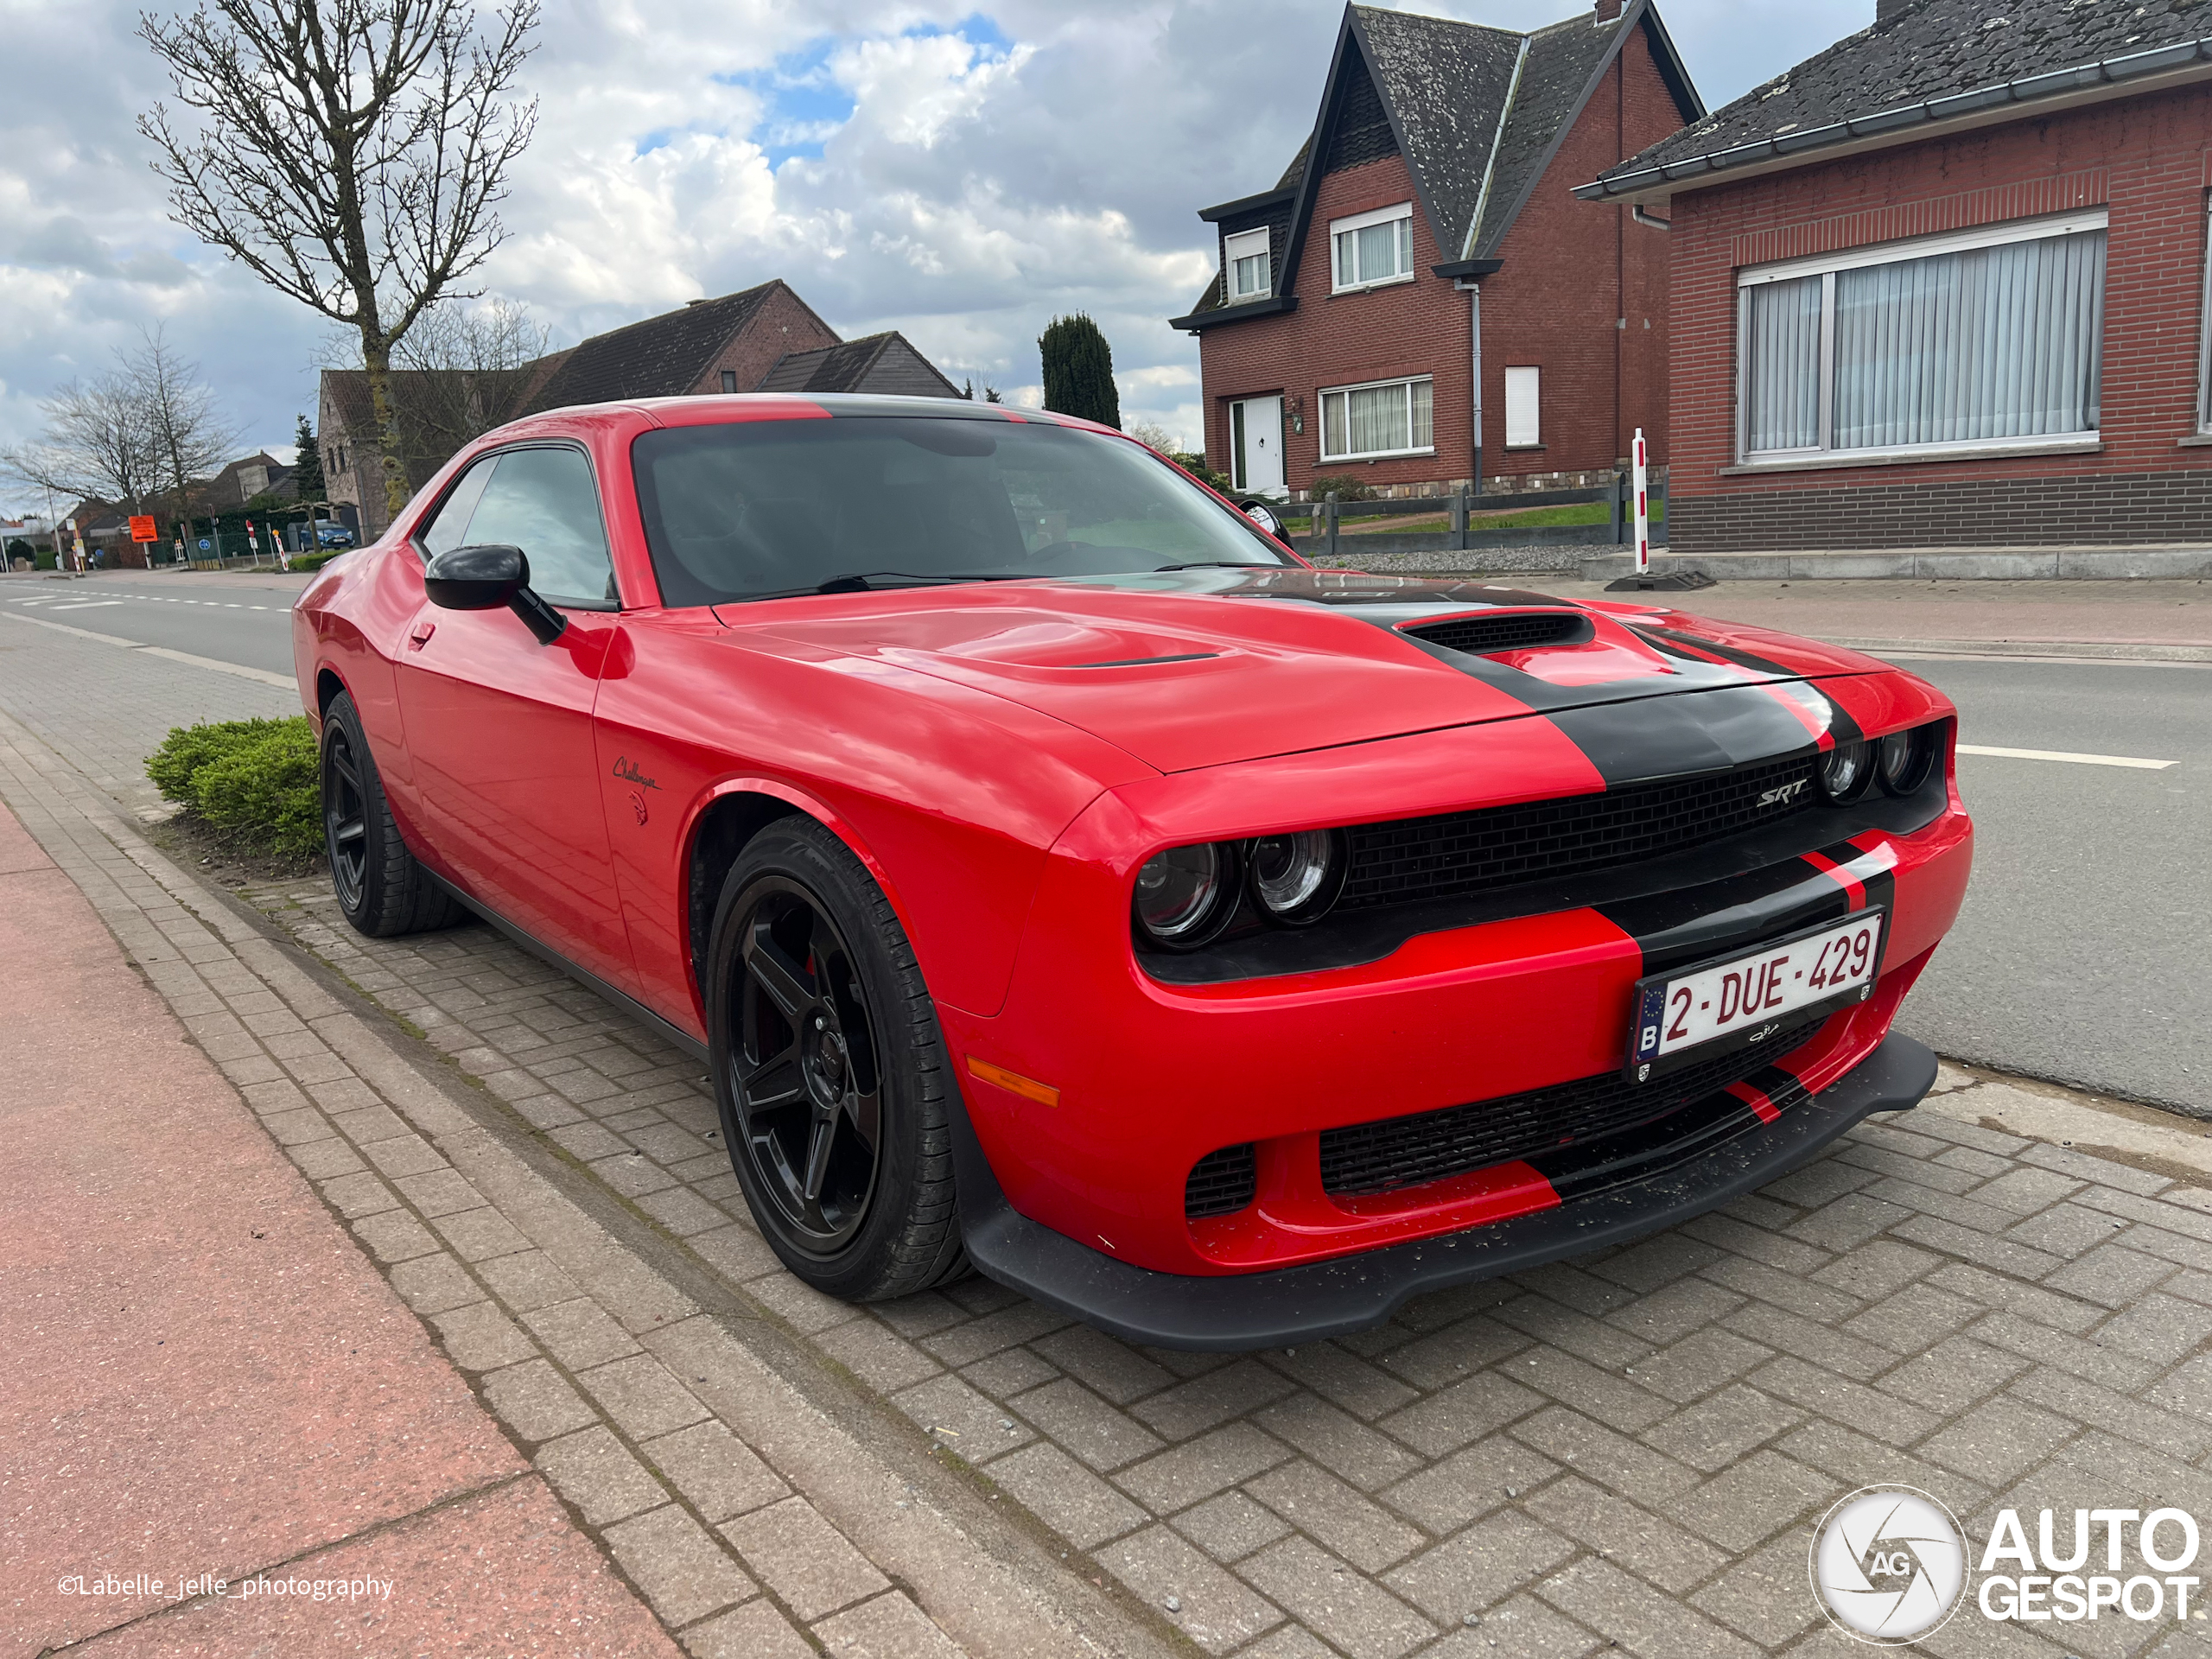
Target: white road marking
x: 2059, y: 754
x: 86, y: 605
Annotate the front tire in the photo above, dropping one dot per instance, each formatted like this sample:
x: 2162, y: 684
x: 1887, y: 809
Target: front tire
x: 381, y: 888
x: 830, y: 1071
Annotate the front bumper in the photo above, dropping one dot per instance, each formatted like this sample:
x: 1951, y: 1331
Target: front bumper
x: 1236, y: 1312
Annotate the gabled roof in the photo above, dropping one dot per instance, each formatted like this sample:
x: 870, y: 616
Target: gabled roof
x: 885, y: 363
x: 1477, y: 112
x: 1933, y: 63
x: 660, y: 357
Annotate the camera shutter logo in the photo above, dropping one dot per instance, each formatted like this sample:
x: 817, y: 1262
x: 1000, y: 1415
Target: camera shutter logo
x: 1889, y: 1564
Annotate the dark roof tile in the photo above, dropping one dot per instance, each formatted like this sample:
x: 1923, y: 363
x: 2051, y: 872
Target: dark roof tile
x: 1445, y: 81
x: 1932, y: 50
x: 660, y: 357
x: 885, y: 363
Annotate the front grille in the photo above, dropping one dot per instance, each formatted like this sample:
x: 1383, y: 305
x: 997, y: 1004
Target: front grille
x: 1498, y: 846
x: 1221, y: 1182
x: 1509, y: 631
x: 1400, y: 1152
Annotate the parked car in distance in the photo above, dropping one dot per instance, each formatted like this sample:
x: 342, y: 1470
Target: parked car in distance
x: 1061, y: 878
x: 333, y: 536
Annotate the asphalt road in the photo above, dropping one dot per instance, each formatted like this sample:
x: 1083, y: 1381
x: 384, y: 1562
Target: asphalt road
x: 231, y: 616
x: 2079, y: 956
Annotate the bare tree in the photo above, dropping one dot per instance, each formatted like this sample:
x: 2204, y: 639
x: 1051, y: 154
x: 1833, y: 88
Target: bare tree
x: 191, y: 438
x: 472, y: 367
x: 1154, y: 435
x: 98, y: 445
x: 349, y: 153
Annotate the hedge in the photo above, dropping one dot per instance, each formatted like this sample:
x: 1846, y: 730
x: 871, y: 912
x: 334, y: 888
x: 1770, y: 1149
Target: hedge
x: 315, y: 560
x: 257, y: 778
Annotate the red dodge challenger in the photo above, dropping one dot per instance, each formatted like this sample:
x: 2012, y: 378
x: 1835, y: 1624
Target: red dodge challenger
x: 1061, y: 877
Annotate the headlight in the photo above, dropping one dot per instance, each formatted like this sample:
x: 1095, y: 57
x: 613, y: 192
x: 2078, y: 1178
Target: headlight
x: 1903, y: 759
x: 1187, y: 894
x: 1846, y: 771
x: 1296, y: 878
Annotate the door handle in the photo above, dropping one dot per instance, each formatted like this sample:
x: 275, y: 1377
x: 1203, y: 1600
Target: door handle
x: 420, y: 636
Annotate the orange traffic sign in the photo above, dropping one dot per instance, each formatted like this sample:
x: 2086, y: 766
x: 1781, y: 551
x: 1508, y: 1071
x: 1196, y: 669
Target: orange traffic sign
x: 141, y: 528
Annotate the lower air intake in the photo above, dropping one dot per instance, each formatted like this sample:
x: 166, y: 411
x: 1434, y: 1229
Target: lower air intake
x: 1400, y: 1152
x: 1221, y: 1182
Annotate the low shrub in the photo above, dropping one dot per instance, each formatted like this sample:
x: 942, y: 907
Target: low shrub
x: 315, y: 560
x: 255, y: 778
x: 1195, y: 464
x: 1347, y: 487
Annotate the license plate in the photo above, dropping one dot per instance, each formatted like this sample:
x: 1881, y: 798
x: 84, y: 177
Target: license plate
x: 1743, y: 1000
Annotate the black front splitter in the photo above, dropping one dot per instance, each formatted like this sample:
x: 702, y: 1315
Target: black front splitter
x: 1236, y: 1312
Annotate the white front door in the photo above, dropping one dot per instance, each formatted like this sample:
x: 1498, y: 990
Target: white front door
x: 1255, y: 445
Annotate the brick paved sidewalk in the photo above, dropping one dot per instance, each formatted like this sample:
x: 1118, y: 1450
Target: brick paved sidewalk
x: 754, y: 1521
x: 206, y: 1379
x: 1626, y: 1451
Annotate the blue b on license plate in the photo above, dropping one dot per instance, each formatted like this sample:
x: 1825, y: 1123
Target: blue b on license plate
x: 1739, y: 1001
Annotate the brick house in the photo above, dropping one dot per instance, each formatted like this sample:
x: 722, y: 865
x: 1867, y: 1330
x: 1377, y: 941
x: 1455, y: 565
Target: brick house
x: 1943, y: 285
x: 764, y: 338
x: 1419, y: 300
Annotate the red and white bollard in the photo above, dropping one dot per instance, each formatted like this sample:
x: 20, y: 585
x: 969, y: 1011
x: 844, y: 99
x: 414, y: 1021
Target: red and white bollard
x: 1642, y: 510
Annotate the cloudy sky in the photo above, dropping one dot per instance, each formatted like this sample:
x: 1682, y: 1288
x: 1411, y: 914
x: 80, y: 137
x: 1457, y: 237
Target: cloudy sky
x: 963, y: 175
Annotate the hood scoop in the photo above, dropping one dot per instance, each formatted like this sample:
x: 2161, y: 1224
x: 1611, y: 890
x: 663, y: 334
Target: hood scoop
x: 1497, y: 630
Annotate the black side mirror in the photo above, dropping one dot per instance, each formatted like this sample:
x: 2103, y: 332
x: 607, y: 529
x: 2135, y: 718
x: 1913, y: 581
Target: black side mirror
x: 1265, y: 516
x: 488, y: 578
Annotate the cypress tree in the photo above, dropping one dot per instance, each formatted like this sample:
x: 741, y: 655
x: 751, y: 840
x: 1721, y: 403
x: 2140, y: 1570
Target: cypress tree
x: 1079, y: 370
x: 306, y: 471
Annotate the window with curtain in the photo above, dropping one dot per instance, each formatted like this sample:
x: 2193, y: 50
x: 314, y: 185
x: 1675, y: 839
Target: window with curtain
x: 1984, y: 341
x: 1249, y: 278
x: 1394, y: 417
x: 1371, y: 248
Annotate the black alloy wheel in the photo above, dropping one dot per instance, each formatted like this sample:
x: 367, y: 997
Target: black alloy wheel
x: 805, y: 1072
x: 344, y: 818
x: 381, y: 889
x: 836, y: 1095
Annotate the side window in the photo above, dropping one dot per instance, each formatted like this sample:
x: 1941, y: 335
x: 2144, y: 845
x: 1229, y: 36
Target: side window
x: 542, y: 501
x: 449, y: 528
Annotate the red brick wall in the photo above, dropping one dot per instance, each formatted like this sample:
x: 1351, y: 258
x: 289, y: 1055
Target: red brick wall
x: 1571, y: 269
x: 1332, y: 339
x: 783, y: 323
x: 2144, y: 157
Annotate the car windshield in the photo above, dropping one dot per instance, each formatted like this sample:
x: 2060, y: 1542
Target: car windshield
x: 749, y: 509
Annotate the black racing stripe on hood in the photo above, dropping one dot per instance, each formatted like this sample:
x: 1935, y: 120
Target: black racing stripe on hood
x: 1675, y: 736
x: 1742, y: 658
x: 1841, y: 725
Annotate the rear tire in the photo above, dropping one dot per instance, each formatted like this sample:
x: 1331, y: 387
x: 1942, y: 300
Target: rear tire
x: 381, y: 888
x: 831, y: 1076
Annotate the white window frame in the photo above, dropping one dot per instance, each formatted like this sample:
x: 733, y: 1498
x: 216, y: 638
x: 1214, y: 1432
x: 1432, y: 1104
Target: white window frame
x: 2204, y: 335
x: 1409, y: 381
x: 1533, y: 379
x: 1246, y: 244
x: 1340, y: 228
x: 1827, y: 266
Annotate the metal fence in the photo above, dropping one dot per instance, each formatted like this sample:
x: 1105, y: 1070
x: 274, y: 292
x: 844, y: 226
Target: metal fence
x: 1324, y: 536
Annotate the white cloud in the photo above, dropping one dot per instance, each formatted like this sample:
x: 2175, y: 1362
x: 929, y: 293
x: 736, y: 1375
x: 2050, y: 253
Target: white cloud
x: 958, y: 169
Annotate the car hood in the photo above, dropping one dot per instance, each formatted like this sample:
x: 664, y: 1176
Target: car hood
x: 1188, y: 668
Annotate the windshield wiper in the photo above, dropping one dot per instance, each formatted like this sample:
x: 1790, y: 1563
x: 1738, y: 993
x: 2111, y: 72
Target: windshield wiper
x: 858, y: 581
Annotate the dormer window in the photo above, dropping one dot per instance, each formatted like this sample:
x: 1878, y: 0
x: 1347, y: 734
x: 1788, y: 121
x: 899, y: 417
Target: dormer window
x: 1251, y: 274
x: 1373, y: 247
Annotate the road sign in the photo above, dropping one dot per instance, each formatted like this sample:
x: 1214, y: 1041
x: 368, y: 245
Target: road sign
x: 141, y: 528
x: 203, y: 543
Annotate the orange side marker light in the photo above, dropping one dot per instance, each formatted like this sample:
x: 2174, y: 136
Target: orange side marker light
x: 1012, y: 1081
